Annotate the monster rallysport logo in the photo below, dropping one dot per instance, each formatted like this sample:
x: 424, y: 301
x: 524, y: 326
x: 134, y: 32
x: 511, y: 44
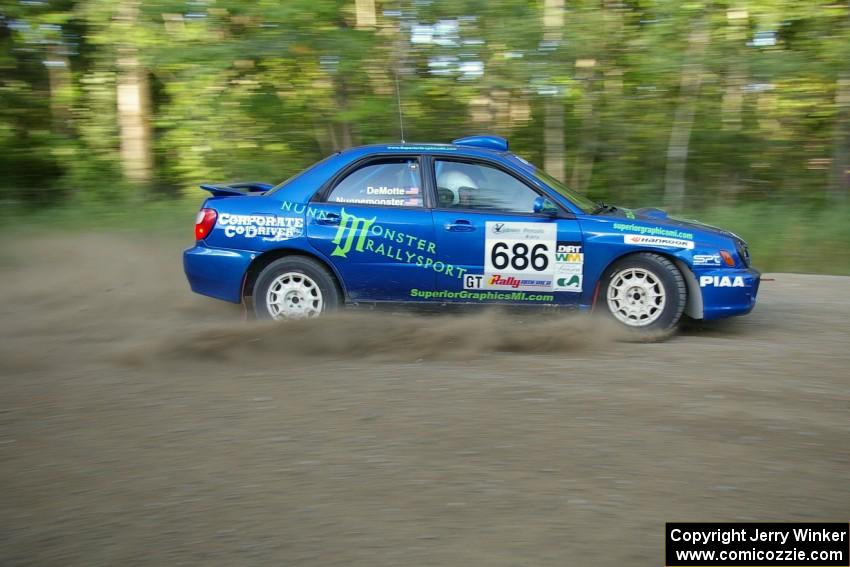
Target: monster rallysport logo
x: 360, y: 234
x: 351, y: 227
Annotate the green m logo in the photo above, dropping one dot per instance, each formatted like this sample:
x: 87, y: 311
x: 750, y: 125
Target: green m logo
x: 349, y: 226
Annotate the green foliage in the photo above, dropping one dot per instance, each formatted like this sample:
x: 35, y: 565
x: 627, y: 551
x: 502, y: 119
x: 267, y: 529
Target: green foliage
x: 788, y: 238
x: 259, y: 90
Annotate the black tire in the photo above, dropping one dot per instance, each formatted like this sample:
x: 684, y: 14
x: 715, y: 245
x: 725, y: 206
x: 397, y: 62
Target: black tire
x: 331, y: 296
x: 646, y: 322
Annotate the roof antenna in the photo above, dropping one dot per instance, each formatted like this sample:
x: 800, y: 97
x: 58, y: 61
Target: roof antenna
x: 400, y: 115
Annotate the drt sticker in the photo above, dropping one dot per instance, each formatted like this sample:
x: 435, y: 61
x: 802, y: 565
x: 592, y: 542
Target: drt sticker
x: 569, y: 263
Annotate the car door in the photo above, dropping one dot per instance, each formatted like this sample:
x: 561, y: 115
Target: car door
x: 375, y: 228
x: 486, y: 225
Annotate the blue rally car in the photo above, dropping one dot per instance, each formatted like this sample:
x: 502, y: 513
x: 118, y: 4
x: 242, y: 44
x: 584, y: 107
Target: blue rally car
x: 468, y: 223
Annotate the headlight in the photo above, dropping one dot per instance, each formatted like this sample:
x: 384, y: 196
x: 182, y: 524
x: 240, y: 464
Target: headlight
x: 743, y: 251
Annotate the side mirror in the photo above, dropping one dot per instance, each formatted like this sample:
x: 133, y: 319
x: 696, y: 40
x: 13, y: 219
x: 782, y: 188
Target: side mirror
x: 545, y: 206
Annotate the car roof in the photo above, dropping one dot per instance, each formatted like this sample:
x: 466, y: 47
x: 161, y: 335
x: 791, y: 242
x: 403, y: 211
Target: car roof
x: 481, y: 146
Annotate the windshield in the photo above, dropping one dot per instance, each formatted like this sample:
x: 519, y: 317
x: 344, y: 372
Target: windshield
x: 575, y: 197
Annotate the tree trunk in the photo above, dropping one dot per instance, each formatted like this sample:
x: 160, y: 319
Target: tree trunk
x: 839, y: 187
x: 59, y: 78
x: 365, y: 13
x: 553, y: 138
x: 683, y: 119
x: 340, y: 129
x: 133, y: 97
x: 134, y: 121
x: 553, y: 105
x: 586, y: 152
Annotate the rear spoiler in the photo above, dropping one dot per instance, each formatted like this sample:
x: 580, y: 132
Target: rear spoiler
x: 236, y: 189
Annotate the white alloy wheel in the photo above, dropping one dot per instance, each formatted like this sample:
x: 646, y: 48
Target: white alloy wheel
x: 294, y: 295
x: 636, y: 297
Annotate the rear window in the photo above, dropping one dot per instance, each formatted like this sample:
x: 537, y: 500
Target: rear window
x: 393, y: 182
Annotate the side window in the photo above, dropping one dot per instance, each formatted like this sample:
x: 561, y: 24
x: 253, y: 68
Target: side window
x: 390, y: 182
x: 475, y: 186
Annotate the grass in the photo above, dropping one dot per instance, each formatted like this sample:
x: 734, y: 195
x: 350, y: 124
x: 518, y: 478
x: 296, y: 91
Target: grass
x: 163, y: 218
x: 782, y: 238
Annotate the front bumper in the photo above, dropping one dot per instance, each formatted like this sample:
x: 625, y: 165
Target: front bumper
x: 216, y: 272
x: 728, y: 292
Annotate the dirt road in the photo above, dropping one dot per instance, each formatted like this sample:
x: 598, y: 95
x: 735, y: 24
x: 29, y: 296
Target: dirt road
x: 140, y: 424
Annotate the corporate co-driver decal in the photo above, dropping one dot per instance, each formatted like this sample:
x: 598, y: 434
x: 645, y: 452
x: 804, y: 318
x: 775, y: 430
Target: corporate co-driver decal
x: 268, y: 227
x: 524, y: 256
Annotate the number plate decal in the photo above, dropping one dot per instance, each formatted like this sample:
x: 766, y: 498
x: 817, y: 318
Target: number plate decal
x: 519, y: 256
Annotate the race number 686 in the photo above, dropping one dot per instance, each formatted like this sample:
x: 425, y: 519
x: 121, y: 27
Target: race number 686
x: 520, y: 256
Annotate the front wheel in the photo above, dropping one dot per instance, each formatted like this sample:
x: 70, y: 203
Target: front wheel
x: 295, y: 287
x: 646, y: 293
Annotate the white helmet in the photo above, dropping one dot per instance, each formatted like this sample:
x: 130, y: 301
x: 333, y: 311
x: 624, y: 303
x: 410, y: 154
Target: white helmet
x: 453, y: 180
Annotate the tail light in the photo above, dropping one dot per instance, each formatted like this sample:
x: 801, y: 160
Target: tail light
x: 204, y: 223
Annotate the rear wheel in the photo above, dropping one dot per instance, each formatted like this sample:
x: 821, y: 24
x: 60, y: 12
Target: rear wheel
x: 295, y: 287
x: 646, y: 293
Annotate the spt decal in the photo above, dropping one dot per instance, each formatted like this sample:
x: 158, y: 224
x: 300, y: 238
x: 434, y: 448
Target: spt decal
x: 706, y: 259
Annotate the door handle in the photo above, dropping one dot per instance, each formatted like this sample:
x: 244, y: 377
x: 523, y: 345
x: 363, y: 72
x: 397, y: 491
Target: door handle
x: 330, y: 218
x: 460, y: 225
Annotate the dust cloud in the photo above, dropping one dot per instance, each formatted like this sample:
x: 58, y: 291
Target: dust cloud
x: 142, y: 424
x: 364, y: 335
x: 127, y: 301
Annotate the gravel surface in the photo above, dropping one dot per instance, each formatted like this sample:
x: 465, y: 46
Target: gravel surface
x: 143, y: 425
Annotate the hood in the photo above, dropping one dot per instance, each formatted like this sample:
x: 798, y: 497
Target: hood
x: 661, y: 217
